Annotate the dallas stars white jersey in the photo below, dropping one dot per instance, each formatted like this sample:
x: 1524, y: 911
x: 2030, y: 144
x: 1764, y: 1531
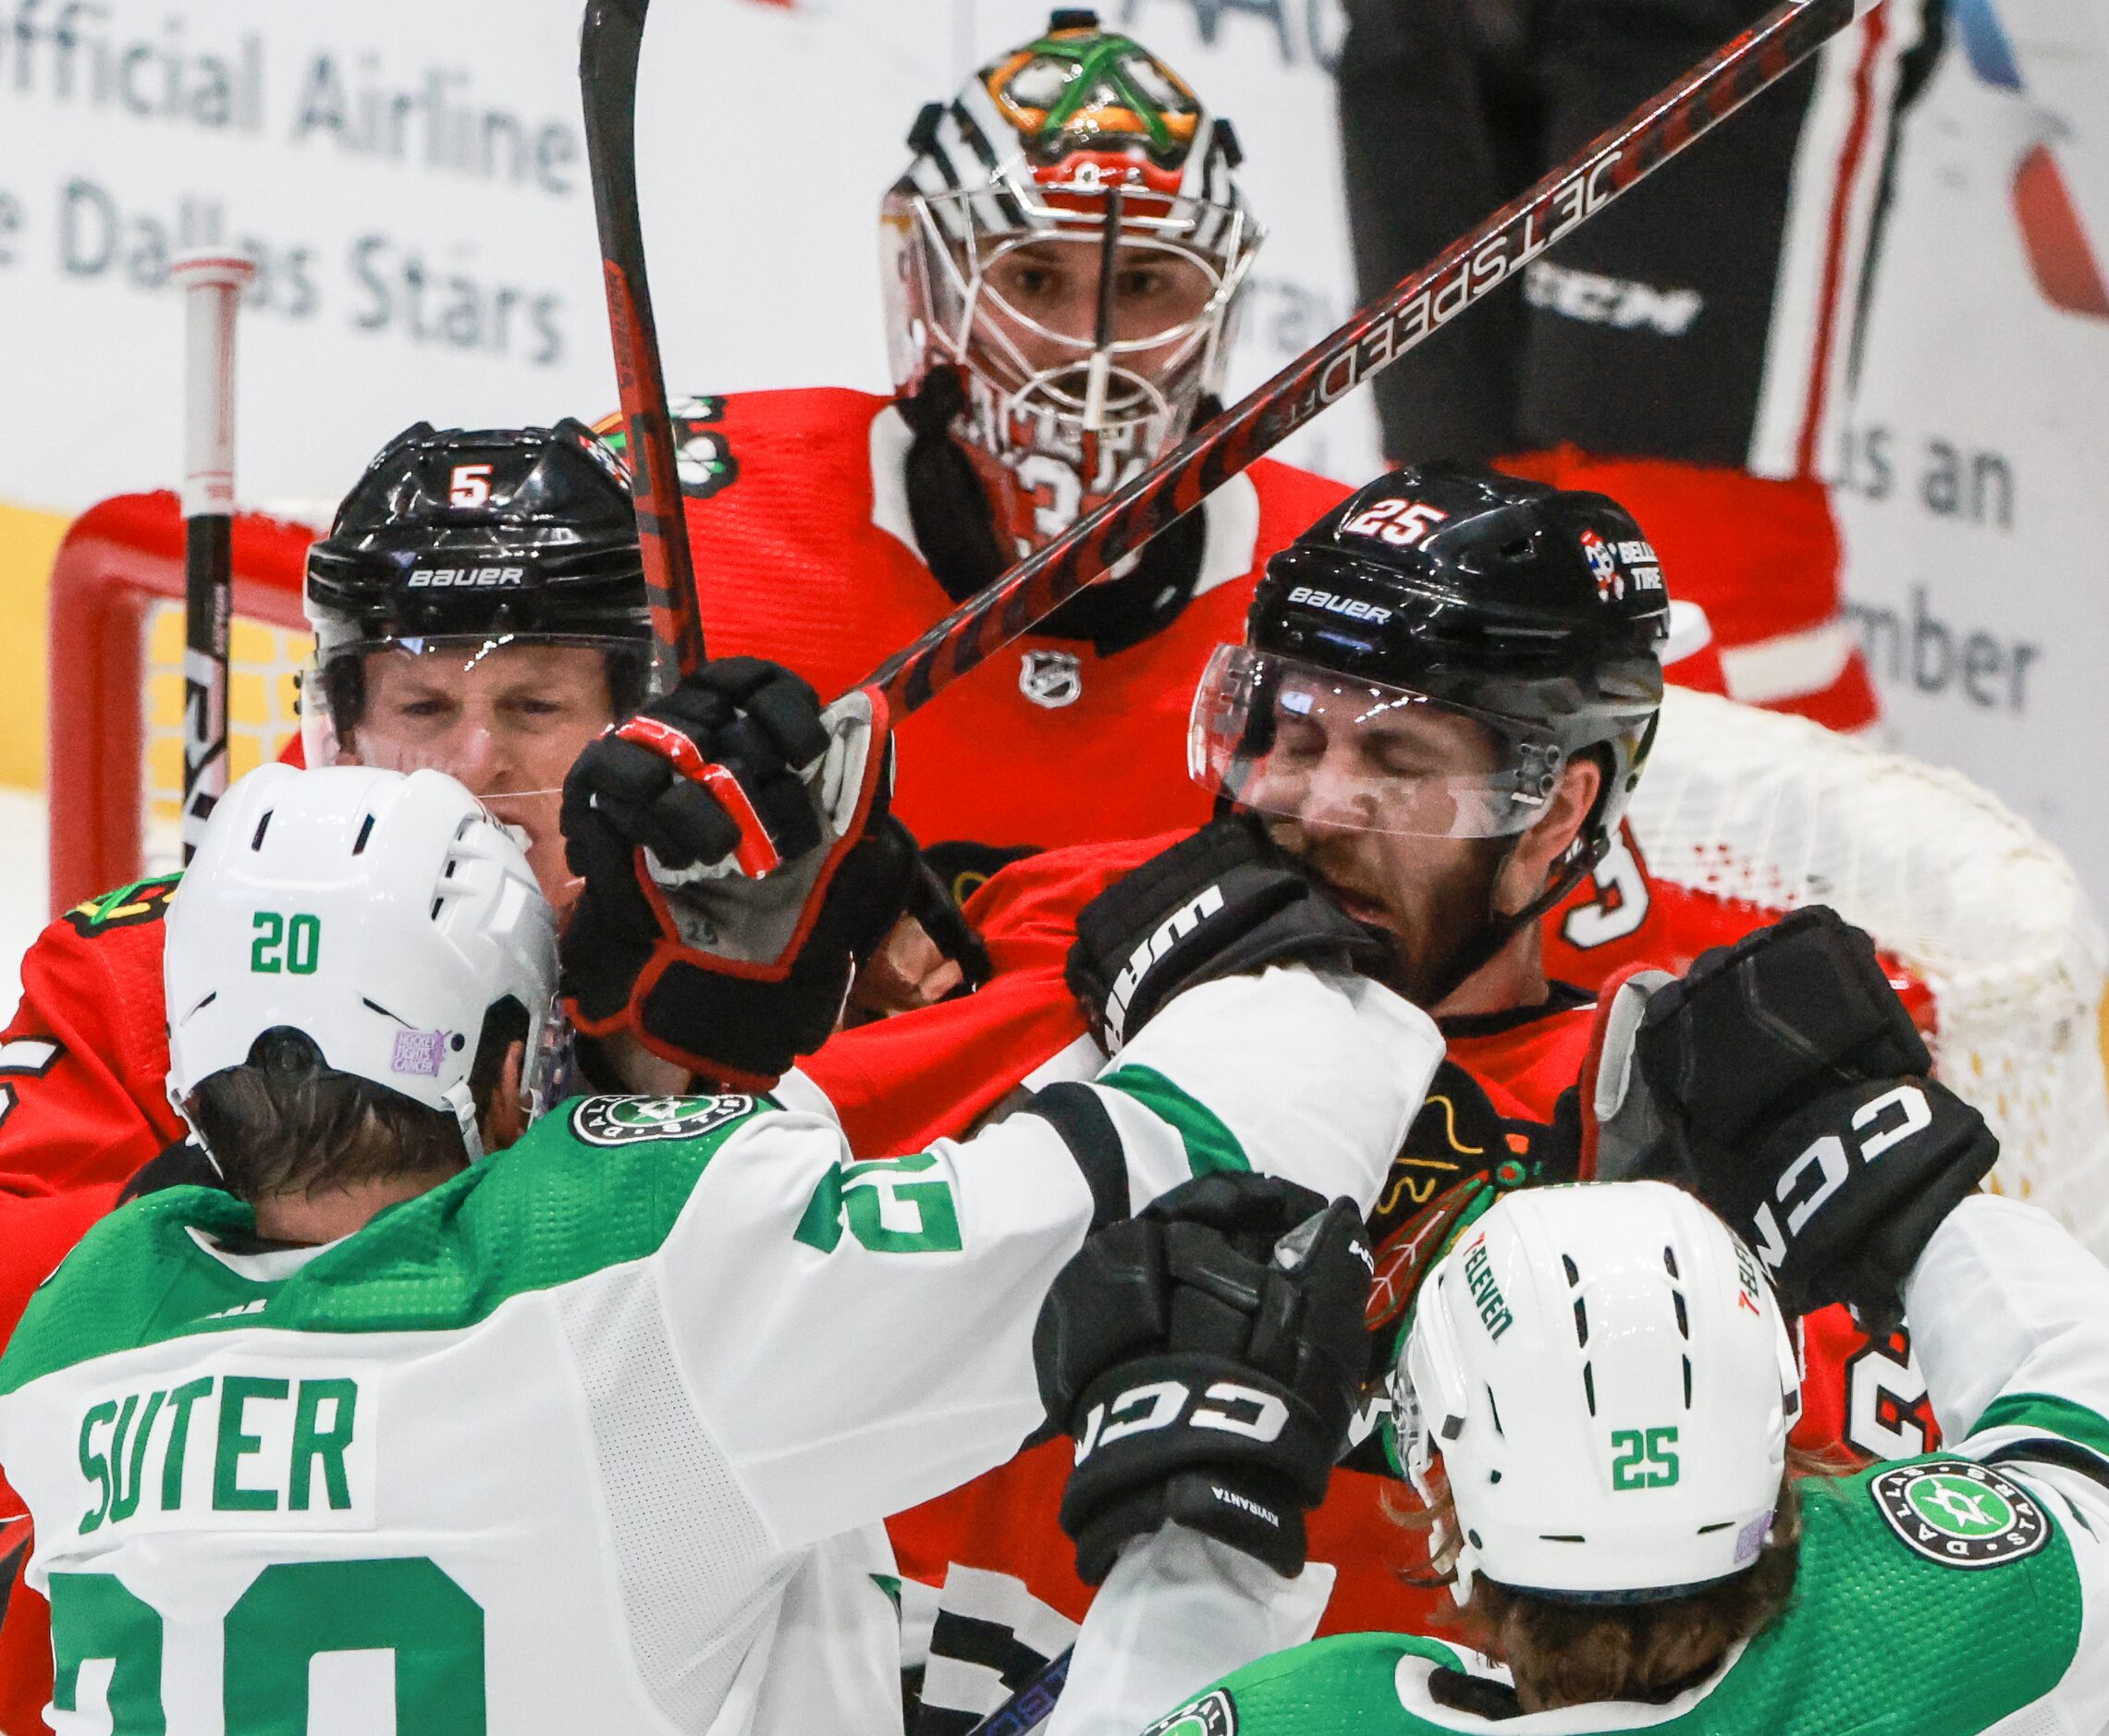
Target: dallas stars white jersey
x: 594, y: 1436
x: 1953, y: 1594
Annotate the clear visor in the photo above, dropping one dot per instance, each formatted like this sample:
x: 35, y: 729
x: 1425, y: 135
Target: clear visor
x: 1287, y: 738
x: 504, y: 715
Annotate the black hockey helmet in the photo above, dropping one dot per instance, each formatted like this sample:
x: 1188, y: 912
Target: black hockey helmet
x: 490, y: 536
x: 1537, y: 613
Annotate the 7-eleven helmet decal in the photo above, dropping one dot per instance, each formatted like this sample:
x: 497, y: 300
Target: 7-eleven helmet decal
x: 1068, y: 240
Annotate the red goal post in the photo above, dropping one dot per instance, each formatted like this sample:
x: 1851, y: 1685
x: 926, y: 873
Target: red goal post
x: 114, y: 718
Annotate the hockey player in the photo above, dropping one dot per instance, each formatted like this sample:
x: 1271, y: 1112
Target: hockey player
x: 1063, y: 261
x: 1600, y: 1390
x: 262, y: 1429
x: 1426, y: 657
x: 479, y: 608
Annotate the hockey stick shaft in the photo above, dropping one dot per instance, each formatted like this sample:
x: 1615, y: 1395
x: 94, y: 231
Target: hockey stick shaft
x: 609, y: 44
x: 1375, y: 336
x: 211, y: 284
x: 1029, y: 1707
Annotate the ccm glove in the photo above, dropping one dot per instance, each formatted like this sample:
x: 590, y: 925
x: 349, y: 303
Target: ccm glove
x: 739, y: 863
x: 1752, y: 1031
x: 1207, y: 1357
x: 1221, y: 902
x: 1840, y: 1198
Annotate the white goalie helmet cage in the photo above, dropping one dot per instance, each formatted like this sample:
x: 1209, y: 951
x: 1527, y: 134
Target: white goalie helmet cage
x: 381, y: 915
x: 1610, y: 1384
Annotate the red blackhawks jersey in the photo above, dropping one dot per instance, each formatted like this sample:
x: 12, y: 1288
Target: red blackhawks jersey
x: 988, y: 1583
x: 798, y: 515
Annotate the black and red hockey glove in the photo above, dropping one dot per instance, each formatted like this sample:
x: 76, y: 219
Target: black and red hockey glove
x: 1207, y: 1357
x: 1221, y: 902
x: 737, y: 861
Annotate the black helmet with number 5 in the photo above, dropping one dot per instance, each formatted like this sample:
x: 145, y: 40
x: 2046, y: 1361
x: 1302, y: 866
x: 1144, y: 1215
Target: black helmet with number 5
x: 1535, y: 615
x: 459, y: 541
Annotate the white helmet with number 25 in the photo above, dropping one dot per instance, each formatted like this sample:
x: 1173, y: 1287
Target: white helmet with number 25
x: 1609, y: 1382
x: 382, y: 915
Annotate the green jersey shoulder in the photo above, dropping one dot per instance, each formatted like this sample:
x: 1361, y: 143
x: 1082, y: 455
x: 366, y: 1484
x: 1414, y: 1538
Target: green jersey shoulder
x: 597, y: 1181
x: 1935, y: 1594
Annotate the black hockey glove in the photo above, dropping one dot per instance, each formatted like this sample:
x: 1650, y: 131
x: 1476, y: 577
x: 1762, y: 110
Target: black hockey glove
x: 1223, y: 902
x: 1789, y: 1087
x: 737, y: 861
x: 1207, y: 1357
x: 1840, y: 1199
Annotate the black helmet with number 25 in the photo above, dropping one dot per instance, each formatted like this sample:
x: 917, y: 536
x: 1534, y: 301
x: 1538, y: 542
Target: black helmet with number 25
x: 1429, y: 656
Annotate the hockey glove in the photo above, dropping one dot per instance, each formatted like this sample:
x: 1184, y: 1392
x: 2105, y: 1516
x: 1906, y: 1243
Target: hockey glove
x: 1221, y: 902
x: 1207, y: 1357
x: 1840, y: 1198
x: 1752, y: 1031
x: 1783, y: 1081
x: 738, y: 861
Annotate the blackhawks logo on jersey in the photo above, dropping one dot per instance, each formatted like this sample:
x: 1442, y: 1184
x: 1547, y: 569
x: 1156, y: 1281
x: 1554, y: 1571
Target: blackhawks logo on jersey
x: 143, y: 901
x: 702, y: 458
x: 1214, y: 1714
x: 1959, y: 1513
x: 629, y: 1120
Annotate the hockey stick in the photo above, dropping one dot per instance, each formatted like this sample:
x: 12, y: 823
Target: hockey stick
x: 1376, y: 336
x: 609, y: 45
x: 211, y: 284
x: 1029, y: 1708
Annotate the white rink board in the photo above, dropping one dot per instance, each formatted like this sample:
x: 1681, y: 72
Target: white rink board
x: 413, y: 174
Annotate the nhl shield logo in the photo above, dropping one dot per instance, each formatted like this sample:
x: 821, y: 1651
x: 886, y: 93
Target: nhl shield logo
x: 1214, y: 1714
x: 1604, y: 563
x: 1959, y: 1513
x: 1053, y: 679
x: 628, y: 1120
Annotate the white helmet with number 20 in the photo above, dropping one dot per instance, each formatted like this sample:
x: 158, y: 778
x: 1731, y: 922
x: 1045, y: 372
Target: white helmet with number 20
x: 1610, y: 1384
x: 382, y: 915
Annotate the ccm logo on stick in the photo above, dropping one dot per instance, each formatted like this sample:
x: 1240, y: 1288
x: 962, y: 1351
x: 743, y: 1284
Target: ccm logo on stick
x: 1224, y: 1405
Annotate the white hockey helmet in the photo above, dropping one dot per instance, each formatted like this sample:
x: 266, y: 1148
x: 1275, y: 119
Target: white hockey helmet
x: 1610, y: 1384
x: 381, y: 915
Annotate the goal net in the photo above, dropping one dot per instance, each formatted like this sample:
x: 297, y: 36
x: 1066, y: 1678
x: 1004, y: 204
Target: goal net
x: 1777, y: 811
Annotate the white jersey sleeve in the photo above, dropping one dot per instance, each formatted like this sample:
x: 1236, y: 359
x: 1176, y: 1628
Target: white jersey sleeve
x: 857, y: 1335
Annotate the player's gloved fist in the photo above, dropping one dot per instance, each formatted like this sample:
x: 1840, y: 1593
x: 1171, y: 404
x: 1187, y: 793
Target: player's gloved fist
x: 1751, y: 1031
x: 715, y: 769
x: 1207, y: 1357
x: 1221, y: 902
x: 737, y: 861
x: 1840, y: 1198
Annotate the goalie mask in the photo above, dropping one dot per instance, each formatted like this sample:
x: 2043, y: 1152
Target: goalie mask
x: 1609, y: 1383
x: 1067, y: 239
x: 479, y: 610
x: 384, y: 917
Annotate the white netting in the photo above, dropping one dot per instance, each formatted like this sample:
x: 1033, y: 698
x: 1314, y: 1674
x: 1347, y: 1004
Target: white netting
x: 1779, y: 813
x: 263, y: 661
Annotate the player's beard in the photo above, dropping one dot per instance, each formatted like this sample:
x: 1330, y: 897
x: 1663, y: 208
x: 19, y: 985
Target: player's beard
x: 1436, y: 928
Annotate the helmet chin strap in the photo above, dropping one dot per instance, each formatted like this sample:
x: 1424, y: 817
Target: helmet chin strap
x: 1498, y: 929
x: 464, y: 1106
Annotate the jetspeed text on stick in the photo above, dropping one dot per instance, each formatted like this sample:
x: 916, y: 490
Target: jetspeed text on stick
x: 1485, y: 268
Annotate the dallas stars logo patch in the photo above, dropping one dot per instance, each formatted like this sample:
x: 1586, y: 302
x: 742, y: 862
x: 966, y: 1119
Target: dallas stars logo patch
x: 1213, y: 1715
x: 631, y: 1120
x: 1960, y: 1514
